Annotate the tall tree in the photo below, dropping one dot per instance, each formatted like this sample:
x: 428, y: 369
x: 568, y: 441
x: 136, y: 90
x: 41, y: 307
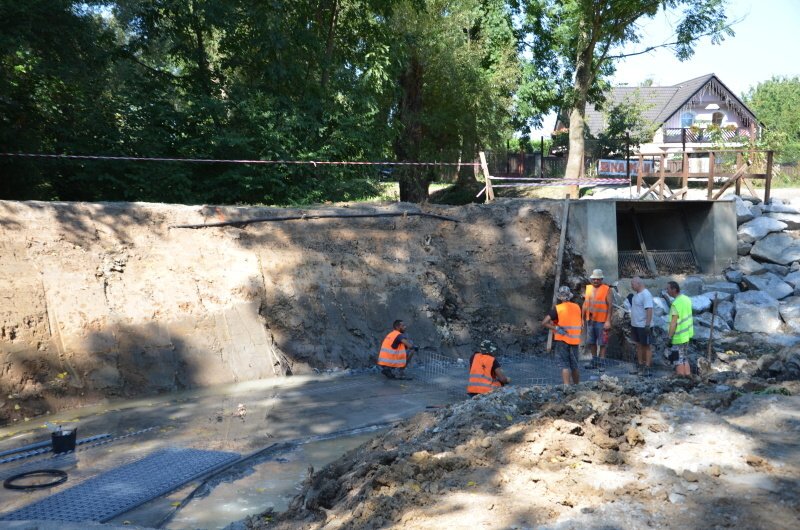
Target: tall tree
x: 775, y: 103
x: 576, y: 43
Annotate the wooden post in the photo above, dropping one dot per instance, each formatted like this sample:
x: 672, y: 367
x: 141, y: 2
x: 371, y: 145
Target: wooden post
x: 661, y: 176
x: 738, y: 165
x: 487, y: 179
x: 768, y: 183
x: 685, y: 172
x: 561, y: 242
x: 711, y: 163
x: 639, y: 174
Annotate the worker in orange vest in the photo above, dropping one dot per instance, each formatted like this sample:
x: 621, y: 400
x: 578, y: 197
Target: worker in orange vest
x: 485, y: 373
x: 396, y: 352
x: 597, y: 304
x: 565, y: 322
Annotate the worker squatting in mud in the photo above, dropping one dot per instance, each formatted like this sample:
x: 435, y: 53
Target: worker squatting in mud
x: 566, y: 319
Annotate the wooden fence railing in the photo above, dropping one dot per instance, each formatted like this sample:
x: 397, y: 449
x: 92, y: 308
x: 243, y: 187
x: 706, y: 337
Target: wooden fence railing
x: 738, y: 167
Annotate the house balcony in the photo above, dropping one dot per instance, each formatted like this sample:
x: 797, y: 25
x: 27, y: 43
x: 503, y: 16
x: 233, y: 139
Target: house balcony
x: 694, y: 135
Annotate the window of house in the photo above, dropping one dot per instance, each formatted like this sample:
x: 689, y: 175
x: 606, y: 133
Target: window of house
x: 717, y: 118
x: 687, y: 119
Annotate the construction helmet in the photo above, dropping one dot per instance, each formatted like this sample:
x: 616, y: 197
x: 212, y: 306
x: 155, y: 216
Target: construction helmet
x: 487, y: 346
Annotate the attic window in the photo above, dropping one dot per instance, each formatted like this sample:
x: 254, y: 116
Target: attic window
x: 717, y: 118
x: 687, y: 119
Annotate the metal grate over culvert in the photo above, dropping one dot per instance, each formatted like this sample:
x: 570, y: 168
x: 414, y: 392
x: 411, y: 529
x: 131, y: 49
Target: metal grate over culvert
x: 124, y: 488
x: 634, y: 262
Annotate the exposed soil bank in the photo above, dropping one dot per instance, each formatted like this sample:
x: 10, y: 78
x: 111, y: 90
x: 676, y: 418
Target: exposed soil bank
x: 105, y: 299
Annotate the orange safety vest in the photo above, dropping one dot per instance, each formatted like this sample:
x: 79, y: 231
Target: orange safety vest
x: 388, y: 356
x: 595, y: 302
x: 569, y: 319
x: 480, y: 375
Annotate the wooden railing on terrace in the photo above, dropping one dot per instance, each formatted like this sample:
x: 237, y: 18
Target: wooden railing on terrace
x: 703, y: 136
x: 730, y: 167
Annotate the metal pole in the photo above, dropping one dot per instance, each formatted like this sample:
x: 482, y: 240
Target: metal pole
x: 541, y: 157
x: 710, y: 351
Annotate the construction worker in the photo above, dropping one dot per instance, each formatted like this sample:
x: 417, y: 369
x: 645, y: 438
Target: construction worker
x: 396, y: 352
x: 597, y: 304
x: 642, y: 326
x: 681, y: 329
x: 565, y: 322
x: 485, y: 373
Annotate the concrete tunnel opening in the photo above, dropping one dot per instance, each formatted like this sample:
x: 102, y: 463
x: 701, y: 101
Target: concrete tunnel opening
x: 651, y: 239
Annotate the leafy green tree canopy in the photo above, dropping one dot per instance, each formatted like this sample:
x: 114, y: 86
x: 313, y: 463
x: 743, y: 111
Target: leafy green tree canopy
x: 575, y: 43
x: 775, y: 103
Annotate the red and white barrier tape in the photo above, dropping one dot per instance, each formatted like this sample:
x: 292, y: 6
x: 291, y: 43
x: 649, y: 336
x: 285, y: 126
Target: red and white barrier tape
x: 314, y: 163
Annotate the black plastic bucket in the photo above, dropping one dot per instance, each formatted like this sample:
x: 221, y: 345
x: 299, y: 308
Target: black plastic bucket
x: 64, y: 441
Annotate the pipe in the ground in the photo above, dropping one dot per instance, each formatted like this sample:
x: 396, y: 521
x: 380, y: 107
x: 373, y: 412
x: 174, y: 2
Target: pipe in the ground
x: 245, y: 222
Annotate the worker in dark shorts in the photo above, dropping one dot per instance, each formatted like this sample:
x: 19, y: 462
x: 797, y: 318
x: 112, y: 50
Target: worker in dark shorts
x: 565, y: 322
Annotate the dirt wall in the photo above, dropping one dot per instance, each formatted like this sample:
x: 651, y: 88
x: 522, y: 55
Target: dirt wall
x: 107, y: 299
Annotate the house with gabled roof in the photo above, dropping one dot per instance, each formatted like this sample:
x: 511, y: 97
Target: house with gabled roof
x: 697, y: 114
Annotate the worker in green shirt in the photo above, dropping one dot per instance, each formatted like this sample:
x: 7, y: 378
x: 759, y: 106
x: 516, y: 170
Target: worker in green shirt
x: 681, y: 329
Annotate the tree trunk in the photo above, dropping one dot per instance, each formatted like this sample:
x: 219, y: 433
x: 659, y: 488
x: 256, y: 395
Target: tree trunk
x: 577, y: 115
x: 329, y: 43
x: 413, y: 179
x: 584, y: 76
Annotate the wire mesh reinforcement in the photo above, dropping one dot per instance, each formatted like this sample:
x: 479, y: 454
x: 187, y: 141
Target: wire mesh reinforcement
x: 119, y: 490
x: 674, y: 261
x: 632, y: 263
x: 524, y: 369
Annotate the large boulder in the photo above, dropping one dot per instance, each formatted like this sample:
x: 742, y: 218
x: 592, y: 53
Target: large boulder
x: 748, y: 265
x: 792, y: 220
x: 790, y: 313
x: 769, y: 283
x: 734, y: 276
x: 660, y: 306
x: 758, y: 228
x: 720, y: 295
x: 725, y: 287
x: 756, y: 311
x: 743, y: 212
x: 780, y: 270
x: 782, y: 249
x: 700, y: 303
x: 726, y: 311
x: 743, y: 248
x: 793, y: 279
x: 692, y: 286
x: 704, y: 319
x: 779, y: 207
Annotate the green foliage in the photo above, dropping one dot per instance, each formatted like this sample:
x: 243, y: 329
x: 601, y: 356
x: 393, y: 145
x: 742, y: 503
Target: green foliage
x: 284, y: 79
x: 622, y: 119
x: 574, y: 44
x: 775, y: 103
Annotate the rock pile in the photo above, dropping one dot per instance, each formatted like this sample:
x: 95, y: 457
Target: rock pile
x: 758, y: 300
x: 768, y: 270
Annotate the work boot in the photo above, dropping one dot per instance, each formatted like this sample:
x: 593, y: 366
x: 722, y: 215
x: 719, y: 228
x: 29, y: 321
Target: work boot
x: 388, y: 372
x: 402, y: 376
